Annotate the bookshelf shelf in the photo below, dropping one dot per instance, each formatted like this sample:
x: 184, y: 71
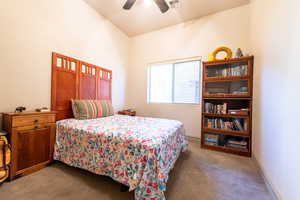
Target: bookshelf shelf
x: 225, y: 115
x: 225, y: 98
x: 240, y: 152
x: 226, y: 79
x: 227, y: 106
x: 226, y: 132
x: 229, y: 96
x: 233, y: 60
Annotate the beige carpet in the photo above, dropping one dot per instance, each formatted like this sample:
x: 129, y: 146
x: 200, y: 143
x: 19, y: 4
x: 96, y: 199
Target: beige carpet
x: 198, y: 175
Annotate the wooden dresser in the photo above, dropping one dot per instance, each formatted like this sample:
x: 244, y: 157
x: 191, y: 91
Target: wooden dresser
x: 32, y: 136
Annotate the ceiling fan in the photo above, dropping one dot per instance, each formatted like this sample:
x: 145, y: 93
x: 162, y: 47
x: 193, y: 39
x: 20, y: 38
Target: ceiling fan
x: 162, y: 4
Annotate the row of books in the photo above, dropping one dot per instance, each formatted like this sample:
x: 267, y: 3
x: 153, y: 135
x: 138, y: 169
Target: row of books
x: 222, y: 109
x: 216, y: 108
x: 237, y: 124
x: 237, y: 144
x: 221, y: 140
x: 233, y: 70
x: 242, y: 111
x: 211, y: 139
x: 226, y: 93
x: 240, y: 92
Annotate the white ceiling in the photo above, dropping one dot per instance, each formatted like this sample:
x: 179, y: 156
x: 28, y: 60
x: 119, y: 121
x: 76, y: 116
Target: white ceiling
x: 144, y: 17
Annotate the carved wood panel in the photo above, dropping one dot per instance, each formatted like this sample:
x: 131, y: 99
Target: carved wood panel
x: 88, y: 81
x: 104, y: 84
x: 75, y: 79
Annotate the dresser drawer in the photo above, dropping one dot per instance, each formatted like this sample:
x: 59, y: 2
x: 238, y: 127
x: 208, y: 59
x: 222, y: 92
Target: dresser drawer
x: 30, y: 120
x: 21, y: 129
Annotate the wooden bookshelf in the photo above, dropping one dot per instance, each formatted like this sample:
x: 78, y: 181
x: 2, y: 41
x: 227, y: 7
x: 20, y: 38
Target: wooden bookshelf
x: 227, y: 106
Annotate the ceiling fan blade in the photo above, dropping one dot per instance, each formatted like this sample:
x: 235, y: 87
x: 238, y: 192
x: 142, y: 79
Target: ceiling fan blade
x: 162, y: 4
x: 129, y: 4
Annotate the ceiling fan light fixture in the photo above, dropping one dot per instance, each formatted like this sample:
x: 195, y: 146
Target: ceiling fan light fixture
x: 148, y: 2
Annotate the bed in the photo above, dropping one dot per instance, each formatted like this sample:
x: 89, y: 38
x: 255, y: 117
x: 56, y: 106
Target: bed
x: 136, y: 151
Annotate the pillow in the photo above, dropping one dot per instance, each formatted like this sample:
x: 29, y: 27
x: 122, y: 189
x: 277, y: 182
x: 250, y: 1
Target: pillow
x: 90, y: 109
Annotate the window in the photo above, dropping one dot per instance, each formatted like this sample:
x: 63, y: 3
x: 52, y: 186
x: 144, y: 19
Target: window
x: 174, y: 83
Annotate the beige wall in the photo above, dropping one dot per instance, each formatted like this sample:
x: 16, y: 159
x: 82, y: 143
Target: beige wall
x: 194, y: 38
x: 30, y: 30
x: 275, y: 31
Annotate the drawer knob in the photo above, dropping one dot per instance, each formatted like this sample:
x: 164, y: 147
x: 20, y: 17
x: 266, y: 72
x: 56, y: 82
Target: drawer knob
x: 36, y: 121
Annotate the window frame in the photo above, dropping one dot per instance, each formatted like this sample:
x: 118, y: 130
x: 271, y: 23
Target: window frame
x: 173, y: 82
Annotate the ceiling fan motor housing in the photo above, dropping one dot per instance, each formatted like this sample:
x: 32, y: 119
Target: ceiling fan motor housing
x: 174, y: 3
x: 162, y: 5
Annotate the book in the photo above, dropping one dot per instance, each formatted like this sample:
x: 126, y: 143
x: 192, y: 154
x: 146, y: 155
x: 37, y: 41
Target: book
x: 215, y: 108
x: 237, y: 146
x: 238, y: 111
x: 242, y: 143
x: 211, y: 143
x: 238, y: 125
x: 211, y: 139
x: 237, y: 143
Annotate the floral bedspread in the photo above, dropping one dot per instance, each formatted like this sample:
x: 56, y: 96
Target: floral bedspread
x: 136, y: 151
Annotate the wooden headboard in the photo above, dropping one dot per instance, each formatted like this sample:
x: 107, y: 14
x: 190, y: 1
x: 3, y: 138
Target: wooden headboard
x: 75, y: 79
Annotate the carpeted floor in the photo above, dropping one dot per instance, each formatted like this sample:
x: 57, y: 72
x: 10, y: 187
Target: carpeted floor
x: 198, y: 175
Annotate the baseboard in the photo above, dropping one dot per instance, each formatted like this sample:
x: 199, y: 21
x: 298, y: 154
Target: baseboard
x: 193, y: 139
x: 275, y: 194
